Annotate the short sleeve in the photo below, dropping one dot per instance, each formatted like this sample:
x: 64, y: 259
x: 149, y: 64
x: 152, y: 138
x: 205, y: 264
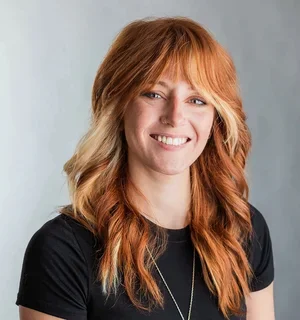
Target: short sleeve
x: 54, y: 277
x: 261, y: 256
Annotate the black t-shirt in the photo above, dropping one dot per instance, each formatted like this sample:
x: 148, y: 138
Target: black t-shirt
x: 59, y: 275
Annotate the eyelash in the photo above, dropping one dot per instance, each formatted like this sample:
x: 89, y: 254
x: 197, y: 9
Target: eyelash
x: 151, y: 92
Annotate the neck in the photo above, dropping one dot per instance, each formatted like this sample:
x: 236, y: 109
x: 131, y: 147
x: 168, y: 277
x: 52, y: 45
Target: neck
x: 168, y: 196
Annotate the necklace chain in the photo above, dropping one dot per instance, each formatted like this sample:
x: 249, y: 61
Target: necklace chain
x: 192, y: 288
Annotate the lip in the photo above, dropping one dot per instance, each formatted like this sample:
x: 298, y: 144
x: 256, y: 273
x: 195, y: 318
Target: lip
x: 171, y: 135
x: 171, y: 147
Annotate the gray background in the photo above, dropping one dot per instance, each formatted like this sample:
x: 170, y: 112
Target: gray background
x: 49, y: 54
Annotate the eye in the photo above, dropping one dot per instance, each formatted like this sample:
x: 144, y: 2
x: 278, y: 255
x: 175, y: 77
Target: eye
x: 151, y: 95
x: 199, y: 101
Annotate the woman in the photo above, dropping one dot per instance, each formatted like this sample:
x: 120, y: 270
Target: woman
x: 159, y: 226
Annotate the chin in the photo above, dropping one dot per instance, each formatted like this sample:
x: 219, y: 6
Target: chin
x: 170, y: 170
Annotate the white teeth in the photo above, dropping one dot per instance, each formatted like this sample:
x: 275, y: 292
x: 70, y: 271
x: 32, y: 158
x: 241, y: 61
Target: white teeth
x: 171, y: 141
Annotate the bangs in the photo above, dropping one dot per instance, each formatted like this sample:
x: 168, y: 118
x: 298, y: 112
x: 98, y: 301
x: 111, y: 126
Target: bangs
x: 185, y: 60
x: 145, y: 51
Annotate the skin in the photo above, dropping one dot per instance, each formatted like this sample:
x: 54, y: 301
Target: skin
x: 163, y: 176
x: 30, y: 314
x: 260, y: 304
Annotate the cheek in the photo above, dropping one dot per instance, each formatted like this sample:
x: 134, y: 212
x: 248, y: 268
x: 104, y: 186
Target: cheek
x: 138, y: 117
x: 203, y: 123
x: 131, y: 117
x: 136, y: 122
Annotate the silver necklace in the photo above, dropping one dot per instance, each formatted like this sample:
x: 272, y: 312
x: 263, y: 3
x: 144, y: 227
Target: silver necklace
x: 192, y: 289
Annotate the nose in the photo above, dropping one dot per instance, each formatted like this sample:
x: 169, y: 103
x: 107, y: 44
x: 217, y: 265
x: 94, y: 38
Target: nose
x: 174, y: 115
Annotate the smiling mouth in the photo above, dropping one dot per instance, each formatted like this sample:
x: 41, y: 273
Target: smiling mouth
x: 173, y: 141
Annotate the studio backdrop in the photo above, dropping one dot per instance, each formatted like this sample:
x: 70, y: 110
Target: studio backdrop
x: 49, y: 54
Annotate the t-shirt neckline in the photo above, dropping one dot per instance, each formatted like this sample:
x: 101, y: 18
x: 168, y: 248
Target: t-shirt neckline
x: 174, y: 235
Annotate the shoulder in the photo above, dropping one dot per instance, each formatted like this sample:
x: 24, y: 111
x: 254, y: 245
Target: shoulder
x: 60, y: 242
x: 261, y: 235
x: 259, y: 222
x: 62, y: 232
x: 261, y: 251
x: 57, y: 268
x: 65, y: 237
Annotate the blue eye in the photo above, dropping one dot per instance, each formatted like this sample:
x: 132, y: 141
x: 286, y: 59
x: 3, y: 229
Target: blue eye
x: 151, y: 95
x: 201, y: 102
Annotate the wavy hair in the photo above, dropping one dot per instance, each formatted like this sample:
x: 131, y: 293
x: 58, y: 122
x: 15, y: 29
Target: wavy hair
x: 98, y: 180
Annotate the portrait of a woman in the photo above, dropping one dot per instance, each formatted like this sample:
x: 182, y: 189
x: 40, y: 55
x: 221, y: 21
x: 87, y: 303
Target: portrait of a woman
x: 159, y: 225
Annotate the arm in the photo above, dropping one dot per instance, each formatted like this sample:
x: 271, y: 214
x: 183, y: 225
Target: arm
x: 260, y: 304
x: 30, y: 314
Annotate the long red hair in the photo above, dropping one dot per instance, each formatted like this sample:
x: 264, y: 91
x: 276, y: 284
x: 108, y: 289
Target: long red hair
x: 97, y: 174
